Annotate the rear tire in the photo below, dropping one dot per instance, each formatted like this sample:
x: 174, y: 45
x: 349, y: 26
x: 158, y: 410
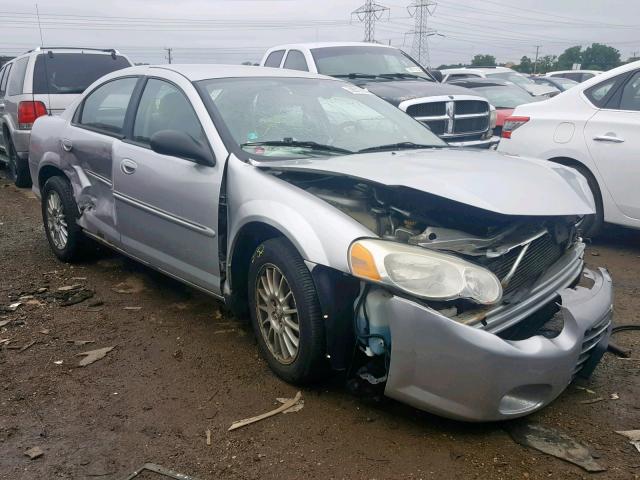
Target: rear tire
x: 592, y: 224
x: 17, y: 168
x: 59, y: 215
x: 284, y: 311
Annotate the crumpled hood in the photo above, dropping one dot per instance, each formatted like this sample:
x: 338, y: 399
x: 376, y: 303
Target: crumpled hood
x: 399, y: 91
x: 488, y: 180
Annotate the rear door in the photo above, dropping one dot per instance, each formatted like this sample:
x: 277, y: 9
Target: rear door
x: 3, y: 73
x: 167, y: 207
x: 614, y: 144
x: 88, y: 145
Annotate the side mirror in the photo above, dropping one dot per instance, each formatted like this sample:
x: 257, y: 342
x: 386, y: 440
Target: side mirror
x: 437, y: 74
x: 179, y: 144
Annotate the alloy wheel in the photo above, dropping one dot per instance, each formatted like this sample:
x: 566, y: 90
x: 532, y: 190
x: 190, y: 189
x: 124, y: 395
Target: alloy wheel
x: 56, y: 221
x: 277, y: 314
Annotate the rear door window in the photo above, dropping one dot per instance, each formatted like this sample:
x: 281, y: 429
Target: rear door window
x: 106, y: 107
x: 274, y: 59
x: 599, y: 94
x: 72, y: 72
x: 16, y: 82
x: 3, y: 81
x: 630, y: 99
x: 296, y: 61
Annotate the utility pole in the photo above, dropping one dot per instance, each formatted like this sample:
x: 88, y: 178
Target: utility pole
x: 535, y: 64
x: 421, y: 10
x: 369, y: 14
x: 169, y: 51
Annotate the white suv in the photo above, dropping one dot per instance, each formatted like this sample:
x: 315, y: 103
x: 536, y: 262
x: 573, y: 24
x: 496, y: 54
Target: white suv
x: 44, y: 81
x: 592, y: 127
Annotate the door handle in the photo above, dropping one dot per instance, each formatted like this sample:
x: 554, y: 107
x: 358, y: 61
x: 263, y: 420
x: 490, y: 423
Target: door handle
x: 608, y: 138
x: 128, y: 167
x: 67, y: 145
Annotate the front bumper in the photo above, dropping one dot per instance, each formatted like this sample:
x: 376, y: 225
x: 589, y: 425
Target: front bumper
x: 490, y: 143
x: 467, y: 373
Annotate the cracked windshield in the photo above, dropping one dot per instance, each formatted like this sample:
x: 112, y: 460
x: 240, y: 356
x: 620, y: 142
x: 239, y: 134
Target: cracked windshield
x: 300, y: 118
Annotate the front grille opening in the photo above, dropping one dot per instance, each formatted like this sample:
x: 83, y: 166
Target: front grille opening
x: 479, y: 124
x: 542, y: 254
x: 439, y: 127
x: 434, y: 109
x: 468, y: 107
x: 547, y: 321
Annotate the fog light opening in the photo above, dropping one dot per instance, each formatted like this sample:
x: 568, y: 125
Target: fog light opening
x: 524, y: 399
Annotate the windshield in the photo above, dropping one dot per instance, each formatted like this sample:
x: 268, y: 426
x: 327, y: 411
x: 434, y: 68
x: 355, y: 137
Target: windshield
x: 375, y: 61
x: 72, y: 72
x: 514, y: 77
x: 566, y: 83
x: 507, y: 96
x: 305, y: 117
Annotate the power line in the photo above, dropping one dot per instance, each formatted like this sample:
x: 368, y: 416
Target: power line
x: 369, y: 14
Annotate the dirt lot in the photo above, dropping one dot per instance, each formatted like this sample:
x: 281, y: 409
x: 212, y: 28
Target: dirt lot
x: 180, y: 367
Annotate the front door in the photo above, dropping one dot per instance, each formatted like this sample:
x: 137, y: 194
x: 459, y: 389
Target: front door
x: 167, y: 207
x: 614, y: 144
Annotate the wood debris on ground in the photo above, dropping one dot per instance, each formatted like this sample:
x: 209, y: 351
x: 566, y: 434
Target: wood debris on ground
x: 285, y: 406
x: 93, y: 356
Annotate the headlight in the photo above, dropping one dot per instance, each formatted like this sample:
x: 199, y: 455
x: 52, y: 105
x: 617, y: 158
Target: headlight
x: 493, y: 117
x: 423, y: 273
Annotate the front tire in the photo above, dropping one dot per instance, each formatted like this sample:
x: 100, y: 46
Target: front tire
x: 17, y: 168
x: 59, y: 215
x: 285, y: 312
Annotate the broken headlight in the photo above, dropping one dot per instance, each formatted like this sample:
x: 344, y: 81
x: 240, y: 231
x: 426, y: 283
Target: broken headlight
x: 423, y: 273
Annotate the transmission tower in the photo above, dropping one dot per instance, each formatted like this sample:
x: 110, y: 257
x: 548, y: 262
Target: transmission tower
x: 369, y: 14
x: 421, y: 10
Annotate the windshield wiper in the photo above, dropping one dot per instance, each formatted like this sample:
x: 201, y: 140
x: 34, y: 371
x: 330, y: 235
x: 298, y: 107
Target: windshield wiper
x: 404, y: 75
x: 356, y: 75
x: 298, y: 143
x: 399, y: 146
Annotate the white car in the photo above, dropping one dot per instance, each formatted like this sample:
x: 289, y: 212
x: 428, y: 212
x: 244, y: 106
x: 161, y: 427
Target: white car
x: 592, y: 127
x: 501, y: 73
x: 576, y: 75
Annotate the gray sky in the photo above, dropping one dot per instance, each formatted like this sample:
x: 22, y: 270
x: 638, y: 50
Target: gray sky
x: 232, y: 31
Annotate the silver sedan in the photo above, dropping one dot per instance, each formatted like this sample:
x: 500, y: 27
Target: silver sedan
x: 352, y: 236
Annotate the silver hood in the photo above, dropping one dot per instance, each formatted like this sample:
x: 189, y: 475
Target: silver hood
x: 540, y: 90
x: 488, y: 180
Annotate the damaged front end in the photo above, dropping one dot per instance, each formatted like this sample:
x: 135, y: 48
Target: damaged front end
x: 464, y: 312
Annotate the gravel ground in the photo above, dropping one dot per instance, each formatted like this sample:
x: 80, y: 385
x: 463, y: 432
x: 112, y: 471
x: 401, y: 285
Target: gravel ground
x: 179, y: 367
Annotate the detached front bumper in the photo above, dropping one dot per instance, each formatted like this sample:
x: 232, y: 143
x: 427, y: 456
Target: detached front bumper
x: 467, y: 373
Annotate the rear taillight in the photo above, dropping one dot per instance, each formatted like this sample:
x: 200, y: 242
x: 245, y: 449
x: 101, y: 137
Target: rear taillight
x: 28, y: 112
x: 511, y: 124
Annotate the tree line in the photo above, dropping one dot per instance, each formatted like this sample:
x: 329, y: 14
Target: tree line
x: 597, y: 56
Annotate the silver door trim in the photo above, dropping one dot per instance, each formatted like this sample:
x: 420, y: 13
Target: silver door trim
x: 164, y: 215
x: 99, y: 178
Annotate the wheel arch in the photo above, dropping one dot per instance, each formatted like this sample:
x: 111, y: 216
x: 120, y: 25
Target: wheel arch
x: 572, y: 162
x: 242, y: 247
x: 46, y: 172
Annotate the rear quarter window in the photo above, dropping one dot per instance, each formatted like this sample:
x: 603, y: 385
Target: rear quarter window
x: 61, y: 73
x: 274, y: 59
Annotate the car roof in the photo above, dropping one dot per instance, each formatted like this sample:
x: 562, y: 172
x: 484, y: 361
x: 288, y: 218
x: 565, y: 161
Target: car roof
x: 196, y: 72
x: 480, y: 82
x: 471, y: 70
x: 312, y: 45
x: 548, y: 74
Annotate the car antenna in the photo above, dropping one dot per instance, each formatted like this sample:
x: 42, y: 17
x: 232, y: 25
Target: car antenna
x: 44, y: 57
